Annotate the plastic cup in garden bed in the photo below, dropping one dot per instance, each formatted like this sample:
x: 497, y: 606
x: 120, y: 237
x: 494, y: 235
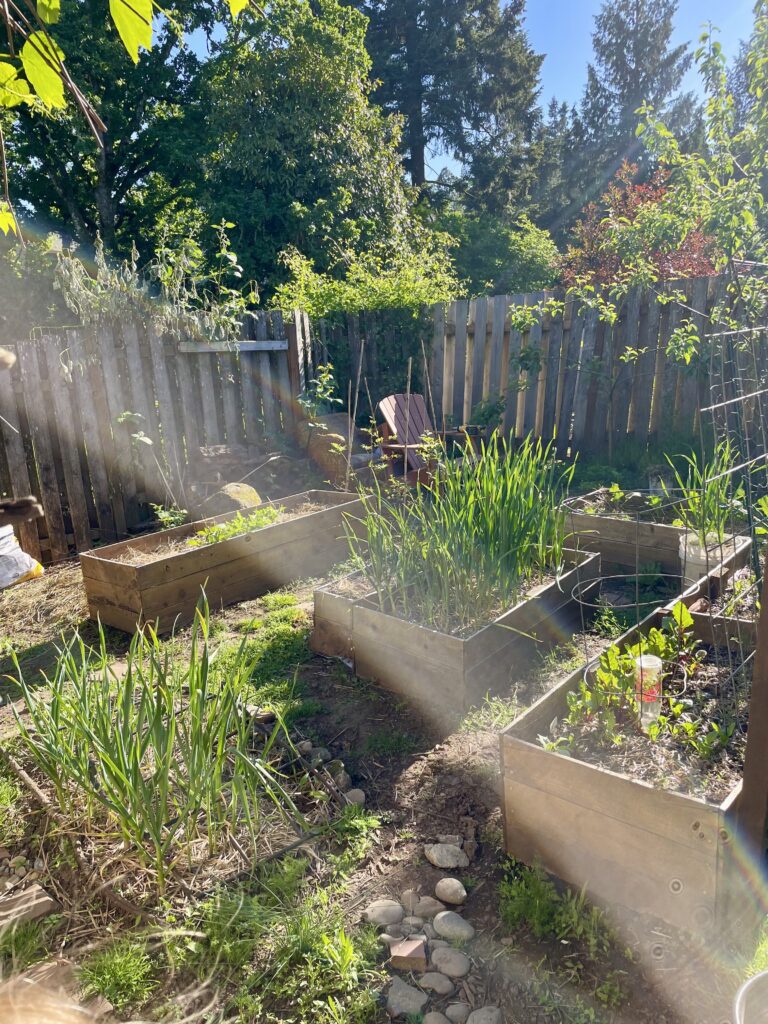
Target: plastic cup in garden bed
x: 630, y: 843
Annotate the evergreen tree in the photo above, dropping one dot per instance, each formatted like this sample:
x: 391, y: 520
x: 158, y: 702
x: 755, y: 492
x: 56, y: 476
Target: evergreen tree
x: 465, y: 79
x: 634, y: 63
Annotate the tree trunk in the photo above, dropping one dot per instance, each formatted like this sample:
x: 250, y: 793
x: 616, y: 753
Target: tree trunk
x: 414, y: 96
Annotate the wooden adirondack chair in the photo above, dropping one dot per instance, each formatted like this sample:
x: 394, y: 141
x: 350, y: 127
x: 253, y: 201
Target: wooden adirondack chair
x: 406, y: 421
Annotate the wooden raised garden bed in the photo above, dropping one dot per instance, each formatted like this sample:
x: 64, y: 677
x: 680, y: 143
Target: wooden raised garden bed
x: 627, y: 540
x: 631, y: 844
x: 445, y: 674
x: 167, y: 588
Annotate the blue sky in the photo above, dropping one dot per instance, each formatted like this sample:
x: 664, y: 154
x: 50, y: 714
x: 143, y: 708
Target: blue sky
x: 562, y: 29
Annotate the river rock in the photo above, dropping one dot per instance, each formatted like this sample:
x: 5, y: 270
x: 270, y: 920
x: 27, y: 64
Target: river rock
x: 355, y: 796
x: 487, y: 1015
x: 433, y: 981
x: 414, y: 922
x: 383, y: 913
x: 343, y: 780
x: 452, y: 962
x: 427, y: 907
x: 433, y: 1017
x: 453, y: 927
x: 450, y: 890
x: 446, y: 856
x: 457, y: 1013
x: 403, y: 999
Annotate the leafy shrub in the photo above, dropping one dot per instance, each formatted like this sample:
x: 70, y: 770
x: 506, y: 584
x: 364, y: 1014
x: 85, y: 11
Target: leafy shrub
x: 405, y: 278
x: 496, y: 256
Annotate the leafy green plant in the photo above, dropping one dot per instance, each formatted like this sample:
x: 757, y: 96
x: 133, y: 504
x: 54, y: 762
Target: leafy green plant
x: 704, y: 496
x: 123, y: 973
x: 319, y: 397
x: 238, y: 525
x: 605, y: 703
x: 488, y: 411
x: 528, y: 898
x: 451, y: 555
x: 161, y: 754
x: 169, y: 516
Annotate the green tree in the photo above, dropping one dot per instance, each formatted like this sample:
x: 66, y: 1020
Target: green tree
x: 498, y: 255
x: 465, y: 79
x: 634, y: 63
x: 297, y: 154
x: 144, y: 167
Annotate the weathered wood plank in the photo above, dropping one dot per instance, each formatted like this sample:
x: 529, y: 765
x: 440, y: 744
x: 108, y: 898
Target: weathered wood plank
x: 552, y: 373
x: 461, y: 313
x: 437, y: 361
x: 570, y: 373
x: 478, y: 350
x: 70, y: 438
x: 97, y: 457
x: 11, y: 436
x: 50, y: 496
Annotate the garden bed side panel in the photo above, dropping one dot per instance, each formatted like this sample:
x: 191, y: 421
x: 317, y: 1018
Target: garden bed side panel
x: 231, y: 570
x: 627, y: 543
x: 443, y: 675
x: 332, y: 626
x: 534, y: 625
x: 649, y: 850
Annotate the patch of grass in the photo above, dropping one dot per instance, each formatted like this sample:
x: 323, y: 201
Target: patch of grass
x: 123, y: 973
x: 528, y: 898
x: 272, y: 602
x: 389, y: 743
x: 26, y: 944
x: 493, y: 715
x: 11, y: 811
x: 355, y: 829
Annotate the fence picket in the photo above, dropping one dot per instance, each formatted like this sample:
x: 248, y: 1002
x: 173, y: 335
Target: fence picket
x: 461, y: 314
x: 13, y: 441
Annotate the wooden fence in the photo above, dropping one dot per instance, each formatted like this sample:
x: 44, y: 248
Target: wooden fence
x: 570, y: 377
x: 80, y: 408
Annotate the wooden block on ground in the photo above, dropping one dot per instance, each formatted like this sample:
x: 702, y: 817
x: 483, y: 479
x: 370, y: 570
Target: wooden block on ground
x: 30, y: 904
x: 409, y: 955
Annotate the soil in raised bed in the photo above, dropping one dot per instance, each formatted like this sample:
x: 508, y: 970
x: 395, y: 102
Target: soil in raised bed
x: 165, y: 549
x: 631, y: 505
x: 460, y: 628
x: 719, y: 692
x: 740, y: 597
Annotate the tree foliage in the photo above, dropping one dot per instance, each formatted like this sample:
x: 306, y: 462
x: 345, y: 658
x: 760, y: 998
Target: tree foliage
x: 297, y: 154
x: 597, y: 255
x: 465, y: 79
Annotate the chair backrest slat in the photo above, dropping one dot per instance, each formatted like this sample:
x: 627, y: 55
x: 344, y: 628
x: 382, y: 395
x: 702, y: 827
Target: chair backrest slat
x: 407, y: 414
